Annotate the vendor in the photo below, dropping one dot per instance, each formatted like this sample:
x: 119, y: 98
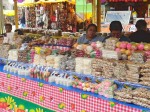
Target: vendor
x: 8, y: 28
x: 142, y: 34
x: 90, y: 35
x: 116, y: 31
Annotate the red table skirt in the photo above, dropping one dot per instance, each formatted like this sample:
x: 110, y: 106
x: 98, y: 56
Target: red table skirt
x: 55, y: 98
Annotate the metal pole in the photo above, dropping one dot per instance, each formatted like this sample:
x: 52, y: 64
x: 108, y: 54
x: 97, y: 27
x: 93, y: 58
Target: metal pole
x: 16, y: 13
x: 99, y: 15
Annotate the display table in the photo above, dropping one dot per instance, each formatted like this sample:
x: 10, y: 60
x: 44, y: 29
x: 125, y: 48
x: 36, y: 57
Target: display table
x: 25, y: 90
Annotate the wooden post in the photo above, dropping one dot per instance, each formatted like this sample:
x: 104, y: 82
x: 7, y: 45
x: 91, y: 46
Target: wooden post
x: 93, y: 11
x: 99, y: 15
x: 16, y: 13
x: 2, y: 17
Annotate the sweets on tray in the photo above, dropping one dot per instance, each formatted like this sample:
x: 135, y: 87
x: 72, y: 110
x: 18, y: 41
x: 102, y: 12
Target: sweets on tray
x: 145, y: 74
x: 124, y: 95
x: 57, y: 60
x: 13, y: 54
x: 23, y: 56
x: 133, y: 72
x: 108, y: 67
x: 120, y: 70
x: 107, y: 88
x: 139, y: 96
x: 83, y: 65
x: 4, y: 50
x: 97, y: 67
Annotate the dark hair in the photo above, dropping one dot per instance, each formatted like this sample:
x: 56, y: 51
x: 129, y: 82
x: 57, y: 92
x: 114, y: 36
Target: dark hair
x: 19, y: 31
x: 91, y: 25
x: 41, y: 23
x: 141, y: 24
x: 8, y: 24
x: 115, y: 25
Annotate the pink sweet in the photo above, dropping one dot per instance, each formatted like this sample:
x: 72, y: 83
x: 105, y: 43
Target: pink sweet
x: 141, y: 46
x: 97, y: 86
x: 92, y: 90
x: 117, y: 49
x: 129, y: 46
x: 93, y: 44
x: 108, y: 83
x: 123, y: 45
x: 74, y: 86
x: 80, y: 83
x: 80, y: 87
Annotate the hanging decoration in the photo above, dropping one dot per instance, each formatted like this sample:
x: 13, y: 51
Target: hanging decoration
x: 127, y: 0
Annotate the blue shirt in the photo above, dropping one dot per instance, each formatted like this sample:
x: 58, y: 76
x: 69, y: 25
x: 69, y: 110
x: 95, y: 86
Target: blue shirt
x: 83, y: 39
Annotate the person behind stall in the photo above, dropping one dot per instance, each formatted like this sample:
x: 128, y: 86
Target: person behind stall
x: 8, y: 28
x: 116, y: 31
x: 142, y: 34
x: 41, y: 24
x: 90, y: 35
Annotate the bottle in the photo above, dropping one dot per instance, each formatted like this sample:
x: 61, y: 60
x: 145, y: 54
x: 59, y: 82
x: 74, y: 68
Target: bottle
x: 134, y: 13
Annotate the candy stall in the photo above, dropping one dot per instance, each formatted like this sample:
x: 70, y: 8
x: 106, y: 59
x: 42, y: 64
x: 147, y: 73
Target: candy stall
x: 58, y: 75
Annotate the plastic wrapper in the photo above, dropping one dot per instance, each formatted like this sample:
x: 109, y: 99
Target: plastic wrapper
x: 143, y: 100
x: 108, y: 67
x: 120, y: 71
x: 13, y: 55
x: 138, y: 57
x: 133, y: 67
x: 107, y: 88
x: 124, y: 93
x: 109, y: 54
x: 123, y: 99
x: 140, y: 103
x: 4, y: 50
x: 141, y: 93
x: 110, y: 43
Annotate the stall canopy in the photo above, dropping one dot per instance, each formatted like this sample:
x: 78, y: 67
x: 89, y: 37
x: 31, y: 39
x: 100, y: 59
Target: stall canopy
x: 127, y: 0
x: 9, y: 12
x: 26, y: 3
x: 55, y: 1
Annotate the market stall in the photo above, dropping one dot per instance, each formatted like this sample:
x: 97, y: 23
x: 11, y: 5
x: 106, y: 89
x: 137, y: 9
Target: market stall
x: 46, y: 73
x: 50, y: 15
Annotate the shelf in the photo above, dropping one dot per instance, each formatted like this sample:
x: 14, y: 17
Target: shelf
x: 85, y: 75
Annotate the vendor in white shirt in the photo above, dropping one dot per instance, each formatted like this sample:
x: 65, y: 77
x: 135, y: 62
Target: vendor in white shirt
x: 8, y: 28
x: 8, y: 36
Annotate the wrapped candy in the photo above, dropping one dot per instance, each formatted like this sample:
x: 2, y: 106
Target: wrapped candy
x: 120, y: 70
x: 4, y: 50
x: 110, y: 43
x: 109, y: 54
x: 138, y: 57
x: 13, y: 55
x: 107, y: 88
